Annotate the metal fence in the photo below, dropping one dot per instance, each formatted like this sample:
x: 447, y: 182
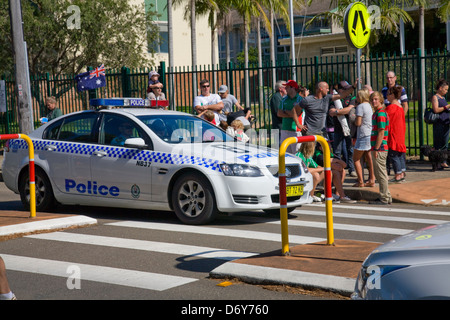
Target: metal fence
x: 252, y: 86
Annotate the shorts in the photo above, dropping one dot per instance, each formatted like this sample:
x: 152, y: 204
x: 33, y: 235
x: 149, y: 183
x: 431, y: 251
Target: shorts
x: 292, y: 148
x: 363, y: 144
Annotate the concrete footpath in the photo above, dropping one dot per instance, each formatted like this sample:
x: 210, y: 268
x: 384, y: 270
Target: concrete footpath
x: 311, y: 266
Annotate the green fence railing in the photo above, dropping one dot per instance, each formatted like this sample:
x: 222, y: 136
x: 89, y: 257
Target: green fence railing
x: 252, y: 86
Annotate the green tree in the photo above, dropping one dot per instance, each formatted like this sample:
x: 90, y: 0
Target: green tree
x: 252, y: 56
x: 191, y: 7
x: 443, y: 11
x: 112, y: 32
x: 248, y: 9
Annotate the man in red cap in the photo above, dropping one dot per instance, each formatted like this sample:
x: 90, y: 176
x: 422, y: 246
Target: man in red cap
x: 287, y: 111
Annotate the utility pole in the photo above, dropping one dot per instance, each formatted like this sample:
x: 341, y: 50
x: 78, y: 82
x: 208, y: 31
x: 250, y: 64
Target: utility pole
x: 21, y: 69
x: 291, y: 22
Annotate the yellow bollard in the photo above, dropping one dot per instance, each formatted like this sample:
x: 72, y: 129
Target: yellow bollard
x: 31, y: 167
x: 32, y: 174
x: 282, y: 186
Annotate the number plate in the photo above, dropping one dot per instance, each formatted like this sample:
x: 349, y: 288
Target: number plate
x: 296, y: 190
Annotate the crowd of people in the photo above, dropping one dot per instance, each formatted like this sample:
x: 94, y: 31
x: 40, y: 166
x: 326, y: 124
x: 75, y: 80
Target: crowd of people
x: 224, y: 110
x: 365, y: 130
x: 352, y: 121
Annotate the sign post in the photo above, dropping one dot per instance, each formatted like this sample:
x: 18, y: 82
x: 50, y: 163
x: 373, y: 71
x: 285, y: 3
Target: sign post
x: 357, y: 31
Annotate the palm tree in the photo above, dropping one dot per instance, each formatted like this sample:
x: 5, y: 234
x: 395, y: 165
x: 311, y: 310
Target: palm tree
x: 203, y: 7
x: 387, y: 23
x: 443, y: 13
x: 170, y: 40
x: 216, y: 11
x: 248, y: 9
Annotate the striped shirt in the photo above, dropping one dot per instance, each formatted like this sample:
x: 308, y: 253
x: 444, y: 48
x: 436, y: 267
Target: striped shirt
x: 379, y: 121
x: 403, y: 97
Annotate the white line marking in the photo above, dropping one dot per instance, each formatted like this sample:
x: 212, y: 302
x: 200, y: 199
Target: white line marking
x: 247, y: 234
x: 347, y: 227
x: 123, y: 277
x: 381, y: 208
x: 336, y: 226
x: 164, y: 247
x: 371, y: 217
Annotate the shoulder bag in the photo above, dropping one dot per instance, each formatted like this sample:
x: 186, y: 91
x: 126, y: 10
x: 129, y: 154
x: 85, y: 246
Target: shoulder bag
x: 430, y: 117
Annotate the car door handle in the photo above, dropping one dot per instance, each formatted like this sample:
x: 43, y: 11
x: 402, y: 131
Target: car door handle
x: 50, y: 147
x: 100, y: 153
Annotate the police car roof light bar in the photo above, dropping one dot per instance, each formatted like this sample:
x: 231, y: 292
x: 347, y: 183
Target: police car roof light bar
x: 118, y: 102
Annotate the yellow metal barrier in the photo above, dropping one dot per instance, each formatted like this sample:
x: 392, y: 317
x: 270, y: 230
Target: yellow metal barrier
x: 31, y: 167
x: 282, y: 183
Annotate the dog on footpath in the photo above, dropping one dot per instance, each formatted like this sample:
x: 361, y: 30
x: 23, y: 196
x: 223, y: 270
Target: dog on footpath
x: 436, y: 157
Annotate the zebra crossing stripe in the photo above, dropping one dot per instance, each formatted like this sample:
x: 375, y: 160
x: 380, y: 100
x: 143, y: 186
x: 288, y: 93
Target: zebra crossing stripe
x: 163, y: 247
x: 348, y: 227
x: 382, y: 209
x: 247, y: 234
x: 336, y: 226
x: 372, y: 217
x: 123, y: 277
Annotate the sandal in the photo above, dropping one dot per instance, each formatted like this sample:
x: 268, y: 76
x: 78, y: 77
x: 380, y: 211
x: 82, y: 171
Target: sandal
x: 369, y: 184
x: 358, y: 185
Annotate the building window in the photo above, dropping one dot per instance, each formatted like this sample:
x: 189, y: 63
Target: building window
x: 160, y: 6
x: 161, y: 46
x: 330, y: 51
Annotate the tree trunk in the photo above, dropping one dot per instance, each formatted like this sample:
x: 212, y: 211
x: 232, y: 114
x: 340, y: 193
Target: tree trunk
x: 194, y: 49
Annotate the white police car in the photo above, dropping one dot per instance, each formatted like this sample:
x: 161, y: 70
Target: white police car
x: 150, y: 159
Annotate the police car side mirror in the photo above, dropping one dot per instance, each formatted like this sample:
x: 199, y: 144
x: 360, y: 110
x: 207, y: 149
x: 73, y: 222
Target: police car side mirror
x: 137, y: 143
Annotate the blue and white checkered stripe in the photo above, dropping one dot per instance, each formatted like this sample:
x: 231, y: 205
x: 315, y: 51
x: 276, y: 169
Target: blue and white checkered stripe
x: 120, y: 153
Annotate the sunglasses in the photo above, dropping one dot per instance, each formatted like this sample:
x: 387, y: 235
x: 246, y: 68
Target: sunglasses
x: 205, y: 86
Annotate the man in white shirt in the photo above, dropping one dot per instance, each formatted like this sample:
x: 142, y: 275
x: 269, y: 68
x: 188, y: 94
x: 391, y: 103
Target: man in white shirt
x: 208, y: 100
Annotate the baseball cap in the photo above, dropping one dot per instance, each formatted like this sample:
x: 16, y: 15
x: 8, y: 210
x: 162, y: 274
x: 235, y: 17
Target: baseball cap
x: 223, y: 88
x: 291, y: 83
x: 344, y: 85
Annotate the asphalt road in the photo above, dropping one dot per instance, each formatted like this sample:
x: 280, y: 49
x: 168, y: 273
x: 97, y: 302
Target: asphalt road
x: 172, y: 261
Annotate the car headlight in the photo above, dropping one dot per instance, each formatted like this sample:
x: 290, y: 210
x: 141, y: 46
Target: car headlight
x: 240, y: 170
x: 305, y: 168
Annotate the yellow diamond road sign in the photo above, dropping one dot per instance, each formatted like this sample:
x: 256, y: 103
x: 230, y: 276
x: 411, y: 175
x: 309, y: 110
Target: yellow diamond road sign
x: 357, y: 25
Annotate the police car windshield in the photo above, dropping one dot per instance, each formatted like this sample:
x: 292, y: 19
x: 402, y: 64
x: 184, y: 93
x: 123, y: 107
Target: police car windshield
x: 184, y: 129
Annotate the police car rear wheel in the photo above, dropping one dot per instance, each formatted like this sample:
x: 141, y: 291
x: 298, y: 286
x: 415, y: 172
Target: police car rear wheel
x: 193, y: 200
x: 45, y: 199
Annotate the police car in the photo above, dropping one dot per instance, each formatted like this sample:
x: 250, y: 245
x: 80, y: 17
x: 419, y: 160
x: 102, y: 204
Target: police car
x: 121, y: 154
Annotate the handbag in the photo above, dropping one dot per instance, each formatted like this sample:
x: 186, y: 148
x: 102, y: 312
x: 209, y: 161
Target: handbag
x: 430, y: 117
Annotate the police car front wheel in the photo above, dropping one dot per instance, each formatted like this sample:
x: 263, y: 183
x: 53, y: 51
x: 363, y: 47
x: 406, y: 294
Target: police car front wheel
x: 193, y: 200
x: 45, y: 199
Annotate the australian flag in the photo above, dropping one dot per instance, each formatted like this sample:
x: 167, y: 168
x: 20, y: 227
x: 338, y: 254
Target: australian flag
x: 91, y: 79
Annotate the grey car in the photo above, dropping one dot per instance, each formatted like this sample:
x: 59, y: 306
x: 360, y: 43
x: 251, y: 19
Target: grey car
x: 411, y: 267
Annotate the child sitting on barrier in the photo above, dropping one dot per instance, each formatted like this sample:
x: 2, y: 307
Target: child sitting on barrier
x: 306, y: 152
x: 337, y: 173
